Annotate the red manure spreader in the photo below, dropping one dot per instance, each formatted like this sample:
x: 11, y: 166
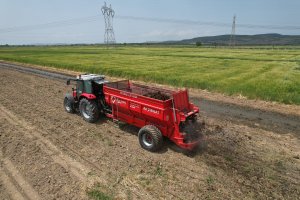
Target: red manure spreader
x: 159, y: 113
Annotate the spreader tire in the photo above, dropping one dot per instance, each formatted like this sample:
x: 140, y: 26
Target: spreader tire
x: 150, y: 138
x: 89, y: 110
x: 69, y: 105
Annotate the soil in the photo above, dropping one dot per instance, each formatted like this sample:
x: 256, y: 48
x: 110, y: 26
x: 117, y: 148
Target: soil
x: 157, y: 95
x: 46, y: 153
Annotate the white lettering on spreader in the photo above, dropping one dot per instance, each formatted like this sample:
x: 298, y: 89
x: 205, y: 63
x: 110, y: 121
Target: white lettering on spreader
x: 117, y: 101
x: 151, y: 110
x: 134, y: 106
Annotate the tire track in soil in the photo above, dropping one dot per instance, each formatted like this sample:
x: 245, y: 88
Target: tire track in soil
x: 10, y: 187
x: 139, y: 193
x: 75, y: 167
x: 130, y: 184
x: 47, y: 177
x: 15, y: 183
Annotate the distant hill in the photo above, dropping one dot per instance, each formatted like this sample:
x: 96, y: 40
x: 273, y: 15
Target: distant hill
x: 261, y: 39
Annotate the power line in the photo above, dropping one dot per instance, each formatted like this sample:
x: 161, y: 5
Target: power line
x: 221, y: 24
x: 70, y: 22
x: 67, y: 22
x: 175, y: 21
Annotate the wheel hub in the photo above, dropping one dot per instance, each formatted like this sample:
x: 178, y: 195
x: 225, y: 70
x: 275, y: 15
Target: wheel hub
x: 68, y: 106
x: 87, y: 111
x: 147, y: 139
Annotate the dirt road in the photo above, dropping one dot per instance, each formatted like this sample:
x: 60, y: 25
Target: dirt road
x: 47, y: 153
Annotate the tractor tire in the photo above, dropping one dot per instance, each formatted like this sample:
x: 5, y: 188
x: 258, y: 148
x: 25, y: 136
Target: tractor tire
x: 69, y: 105
x: 150, y: 138
x: 89, y: 110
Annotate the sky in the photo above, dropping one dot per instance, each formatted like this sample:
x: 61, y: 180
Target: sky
x: 19, y: 19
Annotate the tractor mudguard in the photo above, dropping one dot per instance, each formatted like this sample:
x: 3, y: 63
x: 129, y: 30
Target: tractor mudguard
x: 88, y: 96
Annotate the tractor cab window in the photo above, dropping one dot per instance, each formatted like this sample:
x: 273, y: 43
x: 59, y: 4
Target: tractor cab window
x: 97, y: 88
x: 88, y: 87
x: 79, y: 87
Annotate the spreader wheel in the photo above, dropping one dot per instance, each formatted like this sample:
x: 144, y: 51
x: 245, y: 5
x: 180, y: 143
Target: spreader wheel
x: 89, y: 110
x: 150, y: 138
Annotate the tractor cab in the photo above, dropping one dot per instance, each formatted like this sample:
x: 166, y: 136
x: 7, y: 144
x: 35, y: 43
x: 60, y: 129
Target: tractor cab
x: 87, y: 96
x: 88, y: 84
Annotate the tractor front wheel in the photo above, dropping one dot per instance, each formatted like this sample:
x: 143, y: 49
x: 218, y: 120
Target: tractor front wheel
x: 69, y: 105
x: 89, y: 110
x: 150, y: 138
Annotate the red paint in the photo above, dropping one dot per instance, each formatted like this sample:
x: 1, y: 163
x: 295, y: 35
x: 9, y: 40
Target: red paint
x: 88, y: 96
x: 74, y: 94
x: 129, y: 105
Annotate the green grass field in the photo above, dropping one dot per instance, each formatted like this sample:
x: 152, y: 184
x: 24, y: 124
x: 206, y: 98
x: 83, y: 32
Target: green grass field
x: 267, y: 74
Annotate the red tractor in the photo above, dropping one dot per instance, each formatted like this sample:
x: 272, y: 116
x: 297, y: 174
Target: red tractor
x: 158, y: 112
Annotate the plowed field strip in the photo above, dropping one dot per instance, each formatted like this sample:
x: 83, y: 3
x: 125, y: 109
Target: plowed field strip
x: 10, y: 186
x: 77, y: 168
x: 14, y: 182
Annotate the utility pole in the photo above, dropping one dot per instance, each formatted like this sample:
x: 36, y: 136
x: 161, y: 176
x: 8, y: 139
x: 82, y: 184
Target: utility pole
x: 232, y: 36
x: 108, y: 13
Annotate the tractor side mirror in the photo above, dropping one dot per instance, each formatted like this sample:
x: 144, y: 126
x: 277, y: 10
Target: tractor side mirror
x: 68, y: 82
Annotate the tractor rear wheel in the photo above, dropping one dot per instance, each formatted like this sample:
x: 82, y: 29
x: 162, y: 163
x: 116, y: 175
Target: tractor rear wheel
x: 150, y: 138
x: 69, y: 105
x: 89, y: 110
